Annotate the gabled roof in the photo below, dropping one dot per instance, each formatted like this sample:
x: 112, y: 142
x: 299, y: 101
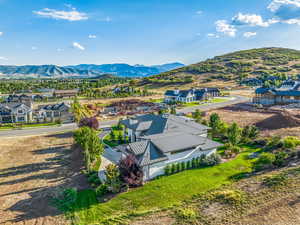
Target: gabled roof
x: 146, y: 153
x: 14, y: 105
x: 174, y: 142
x: 156, y: 124
x: 185, y: 93
x: 54, y: 107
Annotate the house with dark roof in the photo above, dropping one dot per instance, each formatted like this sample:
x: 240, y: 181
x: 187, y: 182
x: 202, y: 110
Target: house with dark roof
x: 191, y: 95
x: 15, y: 112
x: 54, y: 112
x: 288, y: 93
x: 160, y: 140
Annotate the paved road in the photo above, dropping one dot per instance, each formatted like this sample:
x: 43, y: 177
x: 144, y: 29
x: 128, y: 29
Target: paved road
x: 47, y: 130
x: 204, y: 107
x: 72, y: 126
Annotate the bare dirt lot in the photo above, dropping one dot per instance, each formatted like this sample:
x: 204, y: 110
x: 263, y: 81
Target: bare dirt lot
x: 32, y: 169
x: 269, y: 122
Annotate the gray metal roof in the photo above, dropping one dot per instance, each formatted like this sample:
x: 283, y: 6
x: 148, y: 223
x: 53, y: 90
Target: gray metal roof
x: 157, y: 124
x: 173, y: 142
x: 54, y: 107
x: 14, y: 105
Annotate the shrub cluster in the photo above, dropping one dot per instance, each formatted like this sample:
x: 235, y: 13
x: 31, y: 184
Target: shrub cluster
x: 202, y: 161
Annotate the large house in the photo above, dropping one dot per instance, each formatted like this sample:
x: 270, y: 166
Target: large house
x: 15, y: 113
x: 191, y: 95
x: 60, y: 111
x: 160, y: 140
x: 288, y: 93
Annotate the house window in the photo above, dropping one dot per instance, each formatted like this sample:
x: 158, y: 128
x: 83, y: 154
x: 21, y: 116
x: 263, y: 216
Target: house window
x: 48, y: 114
x: 56, y: 114
x: 21, y: 119
x: 20, y: 111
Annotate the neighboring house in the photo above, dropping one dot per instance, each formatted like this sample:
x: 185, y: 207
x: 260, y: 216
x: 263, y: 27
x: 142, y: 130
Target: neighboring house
x: 191, y: 95
x: 55, y: 112
x: 288, y: 93
x: 15, y: 113
x: 65, y: 93
x: 159, y: 140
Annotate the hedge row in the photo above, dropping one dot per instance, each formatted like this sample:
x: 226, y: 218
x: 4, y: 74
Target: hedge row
x: 202, y: 161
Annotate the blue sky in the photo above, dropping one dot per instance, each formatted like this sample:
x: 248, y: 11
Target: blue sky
x: 141, y: 31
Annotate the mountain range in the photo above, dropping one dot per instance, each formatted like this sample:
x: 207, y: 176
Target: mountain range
x: 83, y: 70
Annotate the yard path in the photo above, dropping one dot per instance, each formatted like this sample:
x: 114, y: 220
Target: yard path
x: 33, y: 169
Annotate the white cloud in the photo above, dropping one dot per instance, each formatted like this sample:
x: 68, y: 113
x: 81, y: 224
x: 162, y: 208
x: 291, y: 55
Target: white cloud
x: 3, y: 58
x: 199, y: 12
x: 33, y: 48
x: 249, y: 34
x: 293, y: 21
x: 276, y: 5
x: 92, y: 36
x: 212, y: 35
x: 78, y: 46
x: 222, y: 26
x: 251, y: 20
x: 1, y: 33
x: 287, y: 11
x: 72, y: 15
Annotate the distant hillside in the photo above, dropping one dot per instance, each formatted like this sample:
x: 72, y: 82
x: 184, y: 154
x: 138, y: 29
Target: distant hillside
x: 126, y: 70
x: 44, y: 71
x: 83, y: 70
x: 236, y: 66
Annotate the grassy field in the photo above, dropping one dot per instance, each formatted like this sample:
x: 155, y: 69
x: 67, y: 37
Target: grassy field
x: 163, y: 193
x: 214, y: 100
x: 16, y: 126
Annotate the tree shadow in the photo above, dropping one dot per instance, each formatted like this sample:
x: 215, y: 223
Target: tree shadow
x: 62, y: 169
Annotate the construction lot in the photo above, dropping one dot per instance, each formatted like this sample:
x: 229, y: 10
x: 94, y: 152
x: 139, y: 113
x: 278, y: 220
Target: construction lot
x: 32, y: 170
x: 269, y: 121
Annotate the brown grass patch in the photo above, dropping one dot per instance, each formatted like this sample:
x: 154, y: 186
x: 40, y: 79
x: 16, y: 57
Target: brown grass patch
x: 32, y: 169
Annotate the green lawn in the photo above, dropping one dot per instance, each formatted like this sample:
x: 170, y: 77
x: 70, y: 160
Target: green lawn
x: 159, y: 194
x: 156, y: 100
x: 15, y: 126
x: 214, y: 100
x: 113, y: 143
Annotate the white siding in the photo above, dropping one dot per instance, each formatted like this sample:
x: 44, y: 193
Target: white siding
x: 158, y: 168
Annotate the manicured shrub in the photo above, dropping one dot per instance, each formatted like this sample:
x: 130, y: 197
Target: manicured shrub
x: 102, y: 190
x: 189, y: 165
x: 280, y: 159
x: 291, y: 142
x: 184, y: 166
x: 130, y: 172
x: 174, y: 168
x: 179, y: 167
x: 194, y: 164
x: 168, y: 170
x: 264, y: 161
